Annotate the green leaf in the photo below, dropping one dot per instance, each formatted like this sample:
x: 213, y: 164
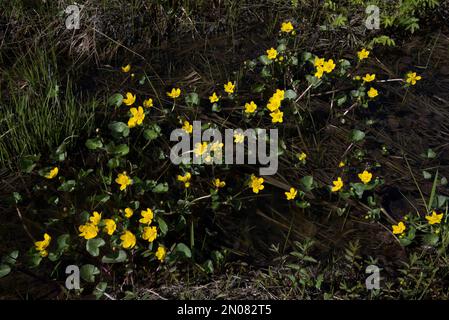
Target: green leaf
x: 440, y: 201
x: 209, y: 266
x: 162, y: 225
x: 93, y: 246
x: 307, y: 183
x: 88, y: 272
x: 307, y: 56
x: 150, y: 134
x: 359, y: 188
x: 119, y: 129
x: 113, y: 163
x: 426, y: 174
x: 431, y: 154
x: 63, y: 242
x: 184, y: 250
x: 117, y: 257
x: 303, y: 204
x: 265, y: 72
x: 93, y: 144
x: 357, y: 135
x: 28, y: 163
x: 290, y: 95
x: 11, y: 258
x: 216, y: 107
x: 265, y: 60
x: 100, y: 289
x: 281, y: 47
x: 405, y: 241
x: 60, y: 153
x: 217, y: 256
x: 35, y: 259
x: 4, y: 270
x: 17, y: 197
x: 121, y: 150
x: 312, y: 80
x: 192, y: 99
x: 341, y: 100
x: 431, y: 239
x: 115, y: 100
x: 258, y: 88
x: 101, y: 198
x: 160, y: 188
x: 67, y: 186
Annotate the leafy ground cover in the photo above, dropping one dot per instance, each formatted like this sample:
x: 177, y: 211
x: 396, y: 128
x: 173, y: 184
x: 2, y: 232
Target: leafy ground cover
x: 85, y: 143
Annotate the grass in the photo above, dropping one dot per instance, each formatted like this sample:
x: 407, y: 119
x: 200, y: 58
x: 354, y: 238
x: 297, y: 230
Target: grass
x: 40, y: 110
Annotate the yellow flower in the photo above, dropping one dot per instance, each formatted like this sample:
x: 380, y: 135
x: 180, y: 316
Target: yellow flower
x: 256, y: 184
x: 216, y: 146
x: 319, y: 62
x: 365, y: 176
x: 412, y: 78
x: 275, y: 100
x: 277, y: 116
x: 229, y: 87
x: 185, y: 179
x: 208, y: 159
x: 43, y: 253
x: 435, y: 218
x: 42, y: 245
x: 273, y: 104
x: 363, y: 54
x: 130, y: 99
x: 338, y: 184
x: 214, y: 98
x: 129, y: 212
x: 149, y: 233
x: 302, y: 156
x: 372, y: 93
x: 137, y: 118
x: 128, y: 240
x: 161, y: 253
x: 53, y: 173
x: 95, y: 218
x: 239, y: 138
x: 329, y: 66
x: 272, y: 53
x: 187, y: 127
x: 126, y: 68
x: 148, y: 103
x: 399, y: 228
x: 123, y: 180
x: 287, y: 27
x: 147, y: 216
x: 88, y: 231
x: 250, y: 107
x: 341, y: 164
x: 319, y: 72
x: 291, y: 195
x: 200, y: 148
x: 218, y: 183
x: 174, y: 93
x: 279, y: 94
x: 110, y: 226
x: 369, y: 77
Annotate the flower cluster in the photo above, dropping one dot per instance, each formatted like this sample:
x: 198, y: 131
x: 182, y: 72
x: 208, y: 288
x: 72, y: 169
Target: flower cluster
x: 274, y: 105
x: 322, y: 66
